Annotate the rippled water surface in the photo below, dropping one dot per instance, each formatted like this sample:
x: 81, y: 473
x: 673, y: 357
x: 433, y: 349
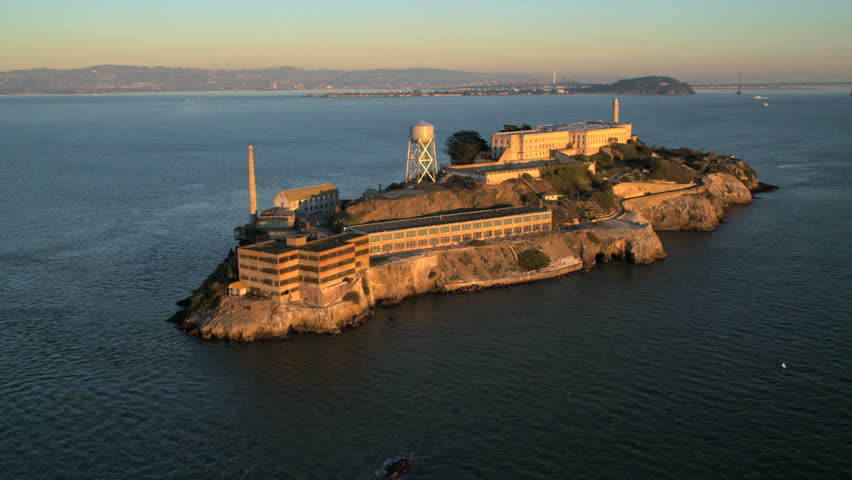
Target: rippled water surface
x: 117, y: 206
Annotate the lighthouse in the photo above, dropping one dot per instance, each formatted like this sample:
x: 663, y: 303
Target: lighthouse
x: 615, y: 111
x: 252, y: 188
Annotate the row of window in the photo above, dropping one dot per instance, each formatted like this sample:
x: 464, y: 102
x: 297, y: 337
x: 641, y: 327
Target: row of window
x: 452, y: 239
x: 456, y: 227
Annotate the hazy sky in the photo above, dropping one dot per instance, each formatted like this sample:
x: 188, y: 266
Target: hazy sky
x: 706, y: 41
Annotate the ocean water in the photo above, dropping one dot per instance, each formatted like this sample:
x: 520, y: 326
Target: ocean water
x: 115, y: 207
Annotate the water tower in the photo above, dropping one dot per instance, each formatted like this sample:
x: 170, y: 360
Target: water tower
x: 422, y: 162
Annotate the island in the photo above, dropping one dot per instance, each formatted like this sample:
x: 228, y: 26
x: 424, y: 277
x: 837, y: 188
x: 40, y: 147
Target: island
x: 536, y: 202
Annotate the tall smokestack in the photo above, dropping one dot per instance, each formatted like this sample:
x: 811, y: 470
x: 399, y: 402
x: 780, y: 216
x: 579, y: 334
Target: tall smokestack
x: 615, y: 111
x: 252, y: 188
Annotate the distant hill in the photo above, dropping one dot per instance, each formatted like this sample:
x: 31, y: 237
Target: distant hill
x: 652, y: 85
x: 121, y: 78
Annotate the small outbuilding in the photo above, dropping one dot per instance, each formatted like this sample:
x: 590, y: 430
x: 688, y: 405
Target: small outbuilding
x: 237, y: 289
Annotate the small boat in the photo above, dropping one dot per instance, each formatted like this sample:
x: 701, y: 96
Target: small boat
x: 765, y: 104
x: 757, y: 97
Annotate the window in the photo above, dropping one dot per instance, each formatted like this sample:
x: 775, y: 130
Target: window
x: 456, y: 238
x: 467, y: 236
x: 398, y: 235
x: 527, y: 218
x: 374, y: 250
x: 410, y: 244
x: 375, y: 238
x: 386, y: 237
x: 410, y: 233
x: 445, y: 229
x: 488, y: 233
x: 456, y: 227
x: 497, y: 223
x: 398, y: 246
x: 477, y: 234
x: 518, y: 230
x: 433, y: 231
x: 466, y: 226
x: 517, y: 220
x: 486, y: 223
x: 422, y: 243
x: 477, y: 225
x: 421, y: 232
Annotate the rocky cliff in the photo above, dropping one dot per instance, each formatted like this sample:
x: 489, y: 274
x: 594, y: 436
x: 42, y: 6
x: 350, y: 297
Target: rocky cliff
x: 699, y: 208
x: 429, y: 199
x: 212, y: 315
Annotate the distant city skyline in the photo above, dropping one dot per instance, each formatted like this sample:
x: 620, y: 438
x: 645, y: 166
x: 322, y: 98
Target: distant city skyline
x: 707, y: 43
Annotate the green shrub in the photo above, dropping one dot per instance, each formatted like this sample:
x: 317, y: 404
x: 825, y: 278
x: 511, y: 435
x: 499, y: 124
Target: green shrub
x: 364, y: 286
x: 605, y: 197
x: 352, y: 297
x: 568, y: 179
x: 665, y: 169
x: 602, y: 158
x: 627, y: 151
x: 533, y: 259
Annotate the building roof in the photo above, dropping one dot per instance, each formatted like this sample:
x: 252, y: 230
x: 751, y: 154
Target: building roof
x: 433, y: 220
x: 510, y: 166
x: 594, y: 125
x: 277, y: 247
x: 303, y: 193
x: 238, y: 285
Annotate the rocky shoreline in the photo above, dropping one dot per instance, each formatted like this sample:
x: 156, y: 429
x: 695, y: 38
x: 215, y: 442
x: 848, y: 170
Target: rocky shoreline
x: 210, y: 314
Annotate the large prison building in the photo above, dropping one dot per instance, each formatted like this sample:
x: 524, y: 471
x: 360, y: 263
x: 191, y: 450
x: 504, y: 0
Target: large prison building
x: 295, y: 270
x: 585, y: 138
x: 443, y: 230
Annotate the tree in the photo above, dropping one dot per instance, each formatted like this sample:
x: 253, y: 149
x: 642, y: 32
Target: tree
x: 533, y: 259
x: 515, y: 128
x: 463, y: 146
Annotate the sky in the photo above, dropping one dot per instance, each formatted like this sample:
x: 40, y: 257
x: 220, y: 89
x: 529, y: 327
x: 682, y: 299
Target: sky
x: 698, y: 42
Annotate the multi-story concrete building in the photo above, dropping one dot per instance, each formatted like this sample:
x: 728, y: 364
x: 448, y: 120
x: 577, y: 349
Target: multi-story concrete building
x: 315, y: 272
x: 444, y: 230
x: 309, y: 202
x: 541, y: 142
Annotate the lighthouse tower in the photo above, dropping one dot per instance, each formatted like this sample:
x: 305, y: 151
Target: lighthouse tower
x: 252, y: 188
x: 422, y: 161
x: 615, y: 111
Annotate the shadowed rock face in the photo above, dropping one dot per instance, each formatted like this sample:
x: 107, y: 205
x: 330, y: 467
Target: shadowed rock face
x: 696, y: 209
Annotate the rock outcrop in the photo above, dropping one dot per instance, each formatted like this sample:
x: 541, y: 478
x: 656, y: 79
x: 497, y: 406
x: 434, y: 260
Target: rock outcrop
x: 429, y: 199
x: 700, y: 208
x: 212, y: 315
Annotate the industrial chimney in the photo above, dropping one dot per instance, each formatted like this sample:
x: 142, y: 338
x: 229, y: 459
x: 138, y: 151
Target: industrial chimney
x: 252, y: 188
x: 615, y: 111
